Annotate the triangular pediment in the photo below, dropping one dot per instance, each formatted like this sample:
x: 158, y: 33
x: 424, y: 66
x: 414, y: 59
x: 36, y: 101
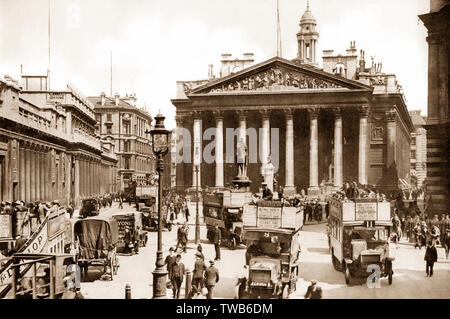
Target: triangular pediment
x: 277, y: 75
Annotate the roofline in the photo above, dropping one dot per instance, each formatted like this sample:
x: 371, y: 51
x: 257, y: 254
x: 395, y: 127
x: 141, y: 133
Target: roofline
x: 290, y: 63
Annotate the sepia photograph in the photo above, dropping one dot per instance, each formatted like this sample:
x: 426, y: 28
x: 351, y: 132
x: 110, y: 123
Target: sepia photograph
x: 232, y: 150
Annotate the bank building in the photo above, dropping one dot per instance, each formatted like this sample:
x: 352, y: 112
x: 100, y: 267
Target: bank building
x: 347, y: 121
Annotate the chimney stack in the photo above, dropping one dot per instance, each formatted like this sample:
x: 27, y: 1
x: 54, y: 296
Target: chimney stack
x: 362, y: 62
x: 116, y: 96
x: 103, y: 96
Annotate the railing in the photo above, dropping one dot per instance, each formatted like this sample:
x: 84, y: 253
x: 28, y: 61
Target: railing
x: 37, y: 119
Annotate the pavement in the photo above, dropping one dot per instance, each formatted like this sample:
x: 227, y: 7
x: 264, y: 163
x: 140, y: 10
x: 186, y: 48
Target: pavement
x: 409, y: 279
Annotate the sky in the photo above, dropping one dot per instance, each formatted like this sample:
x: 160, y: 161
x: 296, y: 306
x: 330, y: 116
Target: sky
x: 155, y: 43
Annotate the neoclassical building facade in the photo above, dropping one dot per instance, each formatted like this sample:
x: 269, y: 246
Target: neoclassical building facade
x: 122, y: 126
x: 48, y: 146
x: 318, y: 127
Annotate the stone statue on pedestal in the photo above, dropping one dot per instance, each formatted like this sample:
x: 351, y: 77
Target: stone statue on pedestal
x: 241, y: 180
x: 242, y: 159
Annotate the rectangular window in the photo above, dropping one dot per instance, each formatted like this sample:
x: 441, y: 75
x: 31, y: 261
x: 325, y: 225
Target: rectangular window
x: 109, y: 117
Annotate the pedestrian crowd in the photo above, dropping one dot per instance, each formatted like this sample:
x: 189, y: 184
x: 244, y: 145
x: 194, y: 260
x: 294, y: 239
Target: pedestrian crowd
x: 203, y: 280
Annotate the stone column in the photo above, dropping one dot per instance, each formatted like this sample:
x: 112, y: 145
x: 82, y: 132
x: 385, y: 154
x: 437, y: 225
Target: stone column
x: 42, y: 174
x: 22, y: 172
x: 76, y: 179
x: 219, y: 149
x: 48, y: 174
x: 38, y: 175
x: 90, y: 177
x: 265, y: 142
x: 313, y: 188
x: 391, y: 137
x: 27, y: 174
x: 33, y: 175
x: 179, y: 152
x: 289, y: 187
x: 338, y: 171
x: 197, y: 151
x: 363, y: 150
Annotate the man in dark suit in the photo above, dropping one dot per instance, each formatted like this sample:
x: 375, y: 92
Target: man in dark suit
x: 217, y: 240
x: 178, y: 271
x: 430, y: 257
x: 198, y: 273
x: 211, y: 278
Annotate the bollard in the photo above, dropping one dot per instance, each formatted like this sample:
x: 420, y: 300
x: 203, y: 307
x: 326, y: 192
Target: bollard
x: 127, y: 291
x: 188, y: 284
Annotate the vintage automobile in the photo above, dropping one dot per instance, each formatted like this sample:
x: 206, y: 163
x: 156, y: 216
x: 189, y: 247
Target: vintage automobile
x: 272, y: 259
x: 133, y: 221
x: 271, y: 234
x: 359, y: 233
x: 227, y: 217
x: 89, y: 207
x: 96, y: 241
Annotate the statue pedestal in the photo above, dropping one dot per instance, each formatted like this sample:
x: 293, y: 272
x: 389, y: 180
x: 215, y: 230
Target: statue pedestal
x: 289, y: 190
x: 314, y: 191
x: 242, y: 183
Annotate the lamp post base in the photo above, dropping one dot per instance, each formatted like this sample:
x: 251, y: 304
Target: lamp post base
x: 159, y: 283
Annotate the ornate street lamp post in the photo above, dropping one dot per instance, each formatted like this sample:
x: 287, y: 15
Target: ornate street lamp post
x: 160, y: 146
x: 197, y: 222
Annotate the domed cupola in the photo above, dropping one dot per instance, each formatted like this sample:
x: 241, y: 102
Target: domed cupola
x: 307, y: 38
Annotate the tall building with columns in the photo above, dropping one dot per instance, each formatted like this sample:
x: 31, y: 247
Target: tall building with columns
x: 122, y: 126
x: 438, y: 115
x: 48, y: 146
x: 318, y: 127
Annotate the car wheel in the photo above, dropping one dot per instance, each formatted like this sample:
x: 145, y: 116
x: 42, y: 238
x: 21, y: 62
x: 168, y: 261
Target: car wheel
x: 347, y: 276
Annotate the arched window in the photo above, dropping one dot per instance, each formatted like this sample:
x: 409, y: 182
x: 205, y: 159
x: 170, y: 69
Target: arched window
x: 339, y: 69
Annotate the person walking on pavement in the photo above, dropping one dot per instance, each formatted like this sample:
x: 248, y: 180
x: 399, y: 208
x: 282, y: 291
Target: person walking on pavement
x: 446, y: 242
x: 169, y: 261
x: 200, y: 251
x: 186, y: 212
x: 430, y: 257
x: 120, y: 202
x: 314, y: 291
x: 197, y: 275
x: 217, y: 241
x: 211, y: 279
x: 178, y: 271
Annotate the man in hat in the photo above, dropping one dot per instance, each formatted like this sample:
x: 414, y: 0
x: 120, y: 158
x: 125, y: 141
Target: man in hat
x: 446, y: 242
x: 430, y: 257
x: 267, y: 193
x: 178, y: 271
x: 198, y: 273
x: 169, y: 261
x: 211, y: 278
x: 217, y: 241
x: 314, y: 291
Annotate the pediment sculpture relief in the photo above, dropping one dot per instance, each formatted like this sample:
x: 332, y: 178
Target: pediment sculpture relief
x: 275, y: 79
